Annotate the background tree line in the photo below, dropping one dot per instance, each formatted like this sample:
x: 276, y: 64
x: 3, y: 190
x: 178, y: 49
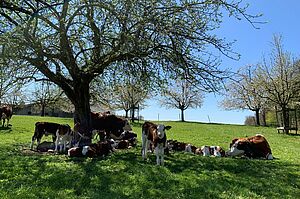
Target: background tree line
x: 268, y: 86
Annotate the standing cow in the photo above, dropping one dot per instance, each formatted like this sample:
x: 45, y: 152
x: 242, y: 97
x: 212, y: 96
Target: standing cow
x: 58, y: 131
x: 112, y: 125
x: 154, y: 134
x: 6, y: 114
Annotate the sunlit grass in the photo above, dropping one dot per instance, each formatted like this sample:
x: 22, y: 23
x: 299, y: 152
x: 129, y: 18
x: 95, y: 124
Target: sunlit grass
x: 124, y: 174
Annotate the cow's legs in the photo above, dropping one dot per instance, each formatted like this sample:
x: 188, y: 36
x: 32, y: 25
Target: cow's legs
x: 32, y: 142
x: 159, y: 152
x: 145, y: 146
x: 56, y: 141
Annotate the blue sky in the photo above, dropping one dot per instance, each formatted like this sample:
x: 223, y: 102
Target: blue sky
x: 282, y: 17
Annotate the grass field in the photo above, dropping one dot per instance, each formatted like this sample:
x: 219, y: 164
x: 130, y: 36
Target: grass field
x: 124, y: 175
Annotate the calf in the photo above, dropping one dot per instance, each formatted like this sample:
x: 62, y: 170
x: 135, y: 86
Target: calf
x: 75, y: 152
x: 64, y: 136
x: 5, y: 114
x: 252, y: 147
x: 61, y: 134
x: 44, y: 128
x: 156, y: 135
x: 215, y: 151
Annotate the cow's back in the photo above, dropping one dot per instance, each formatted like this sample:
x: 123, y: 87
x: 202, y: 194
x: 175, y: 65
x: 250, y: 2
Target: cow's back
x: 260, y: 145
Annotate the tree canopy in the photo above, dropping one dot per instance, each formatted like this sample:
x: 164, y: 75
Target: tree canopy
x: 72, y: 42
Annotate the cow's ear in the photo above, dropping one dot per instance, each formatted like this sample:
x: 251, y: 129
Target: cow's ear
x: 168, y: 127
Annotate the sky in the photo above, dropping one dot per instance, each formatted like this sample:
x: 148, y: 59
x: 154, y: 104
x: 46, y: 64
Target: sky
x: 282, y: 17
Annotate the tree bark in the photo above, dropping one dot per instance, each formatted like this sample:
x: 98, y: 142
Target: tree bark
x: 257, y: 117
x: 132, y: 114
x: 126, y: 113
x: 43, y: 110
x: 81, y: 101
x: 286, y: 119
x: 182, y: 115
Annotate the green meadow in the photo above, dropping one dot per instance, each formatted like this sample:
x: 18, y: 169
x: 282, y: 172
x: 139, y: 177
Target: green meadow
x: 26, y: 174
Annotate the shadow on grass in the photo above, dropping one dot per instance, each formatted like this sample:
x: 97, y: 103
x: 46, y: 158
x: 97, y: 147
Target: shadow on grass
x: 125, y: 175
x: 5, y: 128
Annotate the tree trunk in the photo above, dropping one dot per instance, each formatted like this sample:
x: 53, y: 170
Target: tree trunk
x: 182, y: 115
x: 286, y: 119
x: 263, y: 116
x: 82, y: 112
x: 132, y: 114
x: 126, y: 113
x: 43, y: 109
x: 257, y: 117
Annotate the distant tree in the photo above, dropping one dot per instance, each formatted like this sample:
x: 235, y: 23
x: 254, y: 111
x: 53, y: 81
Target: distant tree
x: 73, y: 42
x: 46, y: 94
x: 280, y: 79
x: 243, y: 92
x: 11, y: 79
x: 122, y: 90
x: 182, y: 95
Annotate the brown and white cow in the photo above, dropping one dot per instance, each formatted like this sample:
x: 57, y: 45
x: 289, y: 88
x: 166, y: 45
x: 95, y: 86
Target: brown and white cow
x: 6, y: 114
x: 48, y: 128
x: 154, y: 134
x: 112, y: 125
x: 215, y: 151
x: 252, y: 147
x: 64, y: 137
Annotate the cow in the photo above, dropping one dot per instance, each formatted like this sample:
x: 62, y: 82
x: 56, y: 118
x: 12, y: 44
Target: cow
x: 6, y: 114
x: 48, y: 128
x: 174, y: 145
x: 101, y: 148
x: 215, y: 151
x: 75, y: 152
x: 112, y: 125
x: 154, y: 134
x: 252, y: 147
x: 64, y: 137
x: 45, y: 146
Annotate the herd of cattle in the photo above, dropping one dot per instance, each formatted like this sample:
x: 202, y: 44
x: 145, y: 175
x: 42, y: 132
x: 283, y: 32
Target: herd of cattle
x: 113, y: 133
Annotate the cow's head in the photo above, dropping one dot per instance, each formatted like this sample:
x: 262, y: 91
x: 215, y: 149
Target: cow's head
x: 161, y: 130
x: 237, y: 147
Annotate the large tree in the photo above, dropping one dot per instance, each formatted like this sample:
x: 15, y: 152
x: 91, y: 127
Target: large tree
x: 72, y: 42
x: 243, y: 92
x: 279, y: 78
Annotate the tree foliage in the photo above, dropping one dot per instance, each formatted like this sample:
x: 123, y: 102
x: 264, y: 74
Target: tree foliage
x: 72, y: 42
x: 243, y: 92
x: 280, y: 79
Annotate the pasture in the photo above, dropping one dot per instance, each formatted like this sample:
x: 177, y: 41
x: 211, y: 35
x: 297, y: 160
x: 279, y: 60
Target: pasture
x: 124, y: 175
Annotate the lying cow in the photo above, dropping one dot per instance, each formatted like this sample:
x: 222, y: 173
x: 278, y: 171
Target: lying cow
x: 252, y: 147
x: 154, y: 134
x: 5, y: 114
x: 101, y: 148
x: 174, y: 145
x: 215, y: 151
